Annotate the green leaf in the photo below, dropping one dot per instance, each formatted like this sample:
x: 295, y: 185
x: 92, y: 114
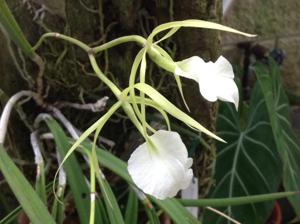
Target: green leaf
x: 131, y: 213
x: 248, y: 164
x: 77, y: 181
x: 12, y: 28
x: 40, y: 183
x: 179, y: 215
x: 98, y: 124
x: 28, y: 198
x: 75, y: 176
x: 287, y: 141
x: 111, y: 203
x: 150, y: 211
x: 58, y: 211
x: 103, y: 213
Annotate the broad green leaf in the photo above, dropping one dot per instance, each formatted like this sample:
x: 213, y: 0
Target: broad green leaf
x: 248, y: 164
x: 196, y: 24
x: 131, y: 213
x: 13, y: 30
x: 173, y: 110
x: 27, y: 197
x: 287, y: 141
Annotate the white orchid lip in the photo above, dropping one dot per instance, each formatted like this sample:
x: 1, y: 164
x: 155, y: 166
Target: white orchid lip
x: 164, y: 171
x: 216, y: 79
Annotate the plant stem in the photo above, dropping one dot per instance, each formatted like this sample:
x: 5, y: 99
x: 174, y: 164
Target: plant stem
x: 63, y: 37
x: 223, y: 202
x: 157, y: 58
x: 132, y: 38
x: 116, y: 91
x: 92, y: 188
x: 153, y: 53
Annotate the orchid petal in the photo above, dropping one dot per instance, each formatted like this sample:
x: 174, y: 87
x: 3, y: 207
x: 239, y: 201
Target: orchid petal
x: 163, y: 171
x: 224, y: 68
x: 216, y: 80
x: 189, y: 68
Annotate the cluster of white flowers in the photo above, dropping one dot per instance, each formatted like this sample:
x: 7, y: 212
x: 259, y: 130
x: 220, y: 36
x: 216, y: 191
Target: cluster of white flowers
x: 165, y: 168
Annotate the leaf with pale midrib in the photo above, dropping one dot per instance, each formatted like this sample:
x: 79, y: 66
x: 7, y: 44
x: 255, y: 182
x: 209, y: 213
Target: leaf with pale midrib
x: 287, y: 141
x: 248, y: 164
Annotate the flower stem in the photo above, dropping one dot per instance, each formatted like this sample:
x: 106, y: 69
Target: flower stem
x: 116, y: 91
x: 92, y: 188
x: 132, y: 38
x: 72, y: 40
x: 222, y: 202
x: 153, y: 53
x: 165, y: 63
x: 160, y: 60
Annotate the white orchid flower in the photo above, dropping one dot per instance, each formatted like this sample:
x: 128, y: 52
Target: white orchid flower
x: 164, y: 170
x: 216, y: 79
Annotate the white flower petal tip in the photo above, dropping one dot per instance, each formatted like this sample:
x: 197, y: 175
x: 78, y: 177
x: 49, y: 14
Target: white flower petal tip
x: 163, y: 171
x: 216, y: 79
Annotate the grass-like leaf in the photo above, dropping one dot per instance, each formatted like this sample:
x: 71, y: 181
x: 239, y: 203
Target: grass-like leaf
x: 131, y: 213
x: 35, y: 209
x: 75, y: 176
x: 12, y: 28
